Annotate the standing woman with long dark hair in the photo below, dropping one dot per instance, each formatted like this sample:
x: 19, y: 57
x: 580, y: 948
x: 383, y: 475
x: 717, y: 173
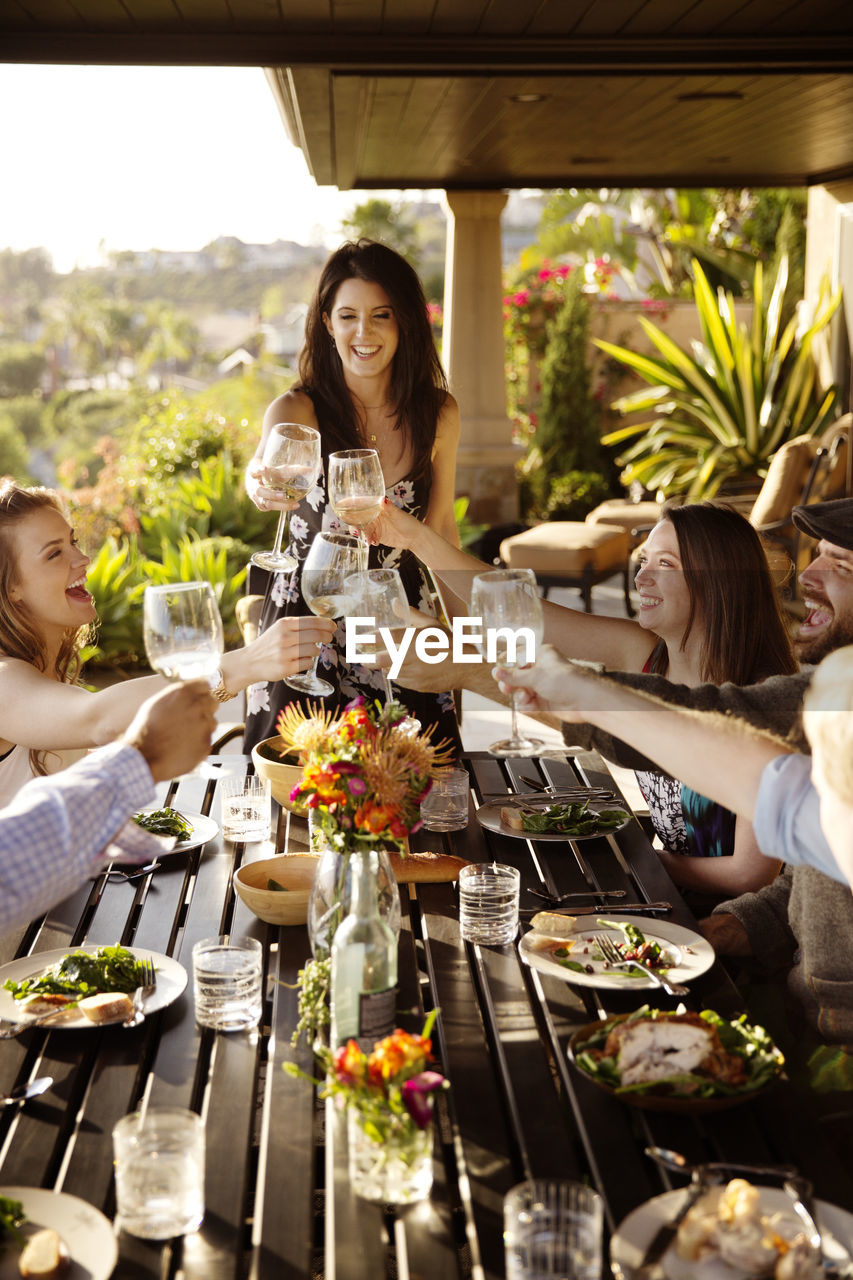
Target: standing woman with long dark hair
x: 369, y: 377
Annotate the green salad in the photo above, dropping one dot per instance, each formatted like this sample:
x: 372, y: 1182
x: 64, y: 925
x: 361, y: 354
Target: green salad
x: 760, y: 1060
x: 11, y: 1218
x: 81, y: 974
x: 164, y: 822
x: 572, y: 819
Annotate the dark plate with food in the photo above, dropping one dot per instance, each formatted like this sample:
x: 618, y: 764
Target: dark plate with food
x: 682, y: 1062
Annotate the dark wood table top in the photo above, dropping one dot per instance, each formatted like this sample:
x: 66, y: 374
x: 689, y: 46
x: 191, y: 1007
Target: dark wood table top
x: 278, y: 1200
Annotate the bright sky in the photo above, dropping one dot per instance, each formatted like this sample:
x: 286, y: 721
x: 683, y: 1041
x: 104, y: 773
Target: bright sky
x: 96, y: 158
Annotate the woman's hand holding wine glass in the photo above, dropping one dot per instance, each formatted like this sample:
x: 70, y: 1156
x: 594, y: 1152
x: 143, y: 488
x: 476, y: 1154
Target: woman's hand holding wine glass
x: 356, y: 487
x: 182, y: 630
x: 331, y: 559
x: 290, y: 466
x: 508, y: 600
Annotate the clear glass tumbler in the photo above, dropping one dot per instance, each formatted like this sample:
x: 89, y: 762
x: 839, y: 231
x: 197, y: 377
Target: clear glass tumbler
x: 227, y: 982
x: 159, y: 1168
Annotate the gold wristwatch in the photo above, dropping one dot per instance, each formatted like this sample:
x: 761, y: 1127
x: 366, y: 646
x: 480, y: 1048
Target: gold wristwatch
x: 219, y: 691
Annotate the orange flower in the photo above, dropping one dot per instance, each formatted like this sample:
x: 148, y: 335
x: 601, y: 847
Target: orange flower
x: 375, y: 818
x: 350, y: 1064
x: 398, y: 1053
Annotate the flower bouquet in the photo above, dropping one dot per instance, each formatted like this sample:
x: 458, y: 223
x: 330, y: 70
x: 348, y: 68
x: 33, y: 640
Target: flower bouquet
x: 389, y: 1100
x: 364, y: 775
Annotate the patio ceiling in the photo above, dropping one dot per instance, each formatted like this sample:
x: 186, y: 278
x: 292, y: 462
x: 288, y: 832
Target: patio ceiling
x: 506, y: 93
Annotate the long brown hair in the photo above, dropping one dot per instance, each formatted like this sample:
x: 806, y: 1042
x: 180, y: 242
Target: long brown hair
x: 418, y: 382
x: 731, y: 589
x: 19, y: 637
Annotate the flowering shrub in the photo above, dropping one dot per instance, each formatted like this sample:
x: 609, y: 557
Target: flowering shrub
x: 528, y: 308
x: 364, y: 772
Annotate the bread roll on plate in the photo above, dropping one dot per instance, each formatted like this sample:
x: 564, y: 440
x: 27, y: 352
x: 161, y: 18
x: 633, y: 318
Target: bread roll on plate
x: 558, y: 925
x: 45, y: 1256
x: 107, y: 1006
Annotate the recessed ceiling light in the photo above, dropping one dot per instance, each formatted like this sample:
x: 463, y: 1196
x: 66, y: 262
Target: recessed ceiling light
x: 528, y: 97
x: 590, y: 160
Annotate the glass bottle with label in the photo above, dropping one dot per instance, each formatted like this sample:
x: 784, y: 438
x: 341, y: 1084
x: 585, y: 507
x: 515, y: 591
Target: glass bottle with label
x: 364, y: 964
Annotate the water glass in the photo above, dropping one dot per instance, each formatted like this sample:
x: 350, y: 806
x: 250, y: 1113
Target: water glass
x: 245, y: 808
x: 227, y: 982
x: 445, y: 808
x: 488, y: 902
x: 159, y: 1167
x: 552, y: 1231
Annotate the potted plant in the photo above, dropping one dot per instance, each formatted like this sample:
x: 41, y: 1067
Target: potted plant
x: 721, y: 411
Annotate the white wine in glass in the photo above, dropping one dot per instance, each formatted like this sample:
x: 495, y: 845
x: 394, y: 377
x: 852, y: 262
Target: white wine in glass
x: 509, y: 599
x: 182, y: 630
x: 291, y: 465
x: 356, y: 487
x: 331, y: 559
x: 379, y: 594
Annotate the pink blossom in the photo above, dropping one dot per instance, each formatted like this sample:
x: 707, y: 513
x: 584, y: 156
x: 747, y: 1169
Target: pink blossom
x: 521, y: 298
x: 415, y: 1093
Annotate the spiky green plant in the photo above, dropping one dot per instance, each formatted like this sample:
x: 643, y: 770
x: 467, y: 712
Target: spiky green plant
x: 722, y: 411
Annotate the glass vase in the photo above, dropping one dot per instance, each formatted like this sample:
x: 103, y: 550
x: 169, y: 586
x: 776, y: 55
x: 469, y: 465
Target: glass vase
x: 331, y: 893
x: 392, y: 1162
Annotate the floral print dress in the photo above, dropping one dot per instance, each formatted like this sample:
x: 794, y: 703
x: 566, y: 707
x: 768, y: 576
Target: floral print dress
x: 283, y: 598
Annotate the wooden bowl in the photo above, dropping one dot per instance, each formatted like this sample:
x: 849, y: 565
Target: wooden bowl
x: 654, y: 1101
x: 280, y: 773
x: 295, y: 871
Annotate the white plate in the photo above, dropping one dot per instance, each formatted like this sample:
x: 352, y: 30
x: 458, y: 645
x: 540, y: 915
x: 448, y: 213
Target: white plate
x: 489, y: 816
x: 88, y: 1234
x: 697, y: 954
x: 171, y: 980
x: 634, y: 1235
x: 203, y: 829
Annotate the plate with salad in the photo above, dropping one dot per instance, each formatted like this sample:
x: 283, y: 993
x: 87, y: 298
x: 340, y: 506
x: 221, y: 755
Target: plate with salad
x: 544, y: 820
x: 190, y: 830
x: 87, y: 1237
x: 661, y: 1060
x: 85, y: 971
x: 575, y: 957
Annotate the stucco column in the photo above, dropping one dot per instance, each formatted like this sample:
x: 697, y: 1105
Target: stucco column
x: 473, y: 351
x: 829, y: 252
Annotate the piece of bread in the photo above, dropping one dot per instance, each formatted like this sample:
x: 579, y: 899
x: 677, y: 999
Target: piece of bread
x: 45, y: 1256
x: 512, y: 818
x: 543, y: 943
x: 426, y: 868
x: 44, y: 1001
x: 107, y: 1006
x: 556, y: 924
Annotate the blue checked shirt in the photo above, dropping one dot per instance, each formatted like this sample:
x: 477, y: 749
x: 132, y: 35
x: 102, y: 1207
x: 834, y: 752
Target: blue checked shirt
x: 62, y: 829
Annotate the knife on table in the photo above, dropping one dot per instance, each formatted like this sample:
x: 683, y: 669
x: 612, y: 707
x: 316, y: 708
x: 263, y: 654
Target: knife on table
x: 666, y: 1233
x: 623, y: 908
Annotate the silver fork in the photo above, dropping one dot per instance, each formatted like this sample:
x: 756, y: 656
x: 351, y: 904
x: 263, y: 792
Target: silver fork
x: 147, y: 987
x: 608, y: 949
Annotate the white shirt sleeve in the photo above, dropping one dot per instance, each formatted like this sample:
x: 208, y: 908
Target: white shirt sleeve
x: 787, y: 817
x: 63, y: 828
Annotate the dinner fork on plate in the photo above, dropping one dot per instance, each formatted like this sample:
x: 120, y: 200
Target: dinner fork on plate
x: 612, y: 955
x: 146, y: 988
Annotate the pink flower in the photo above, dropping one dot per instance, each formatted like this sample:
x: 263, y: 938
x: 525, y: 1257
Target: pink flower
x: 415, y: 1093
x: 521, y: 298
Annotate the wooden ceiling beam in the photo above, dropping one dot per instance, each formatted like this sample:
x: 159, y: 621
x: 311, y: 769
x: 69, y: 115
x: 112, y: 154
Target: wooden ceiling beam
x: 460, y: 55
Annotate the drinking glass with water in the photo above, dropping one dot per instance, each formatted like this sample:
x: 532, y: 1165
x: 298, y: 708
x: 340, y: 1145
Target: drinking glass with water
x: 227, y: 982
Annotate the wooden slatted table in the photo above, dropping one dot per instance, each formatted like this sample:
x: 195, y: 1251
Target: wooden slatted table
x: 278, y: 1199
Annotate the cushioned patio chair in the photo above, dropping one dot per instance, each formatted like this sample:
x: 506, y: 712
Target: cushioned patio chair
x: 572, y: 553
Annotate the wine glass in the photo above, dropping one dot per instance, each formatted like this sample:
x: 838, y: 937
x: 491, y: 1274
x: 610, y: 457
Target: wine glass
x: 291, y: 465
x: 379, y: 594
x: 356, y: 487
x: 182, y: 630
x: 331, y: 558
x: 507, y: 600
